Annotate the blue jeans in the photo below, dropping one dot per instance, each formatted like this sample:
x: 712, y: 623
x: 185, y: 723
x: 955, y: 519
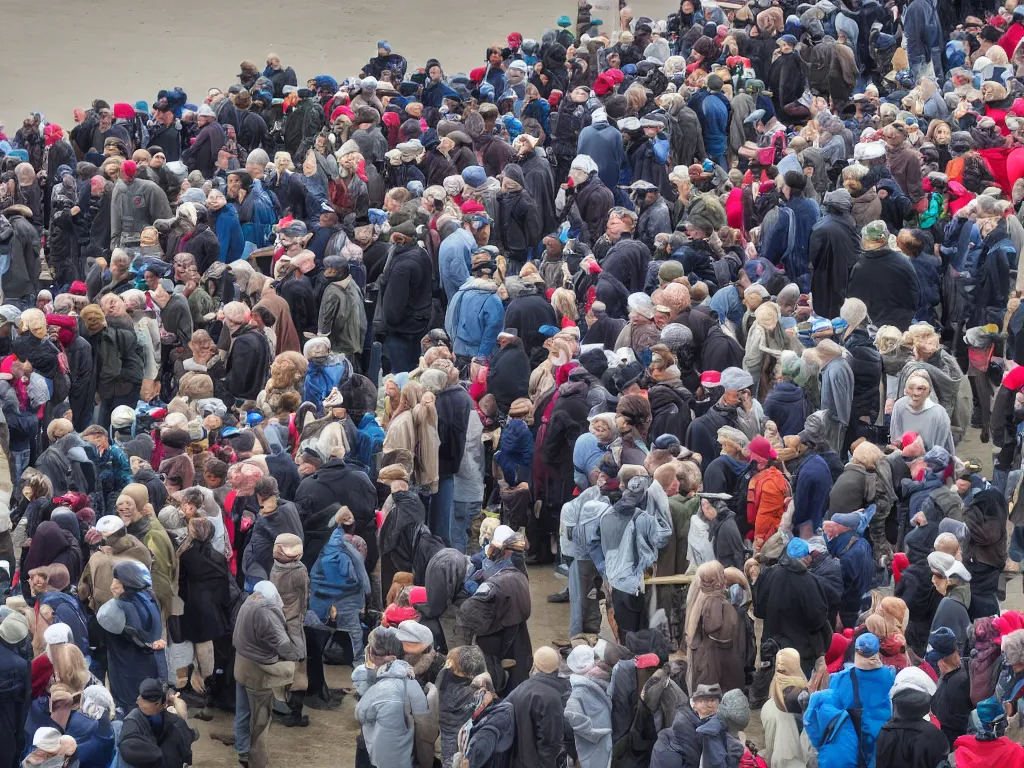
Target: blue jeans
x: 402, y: 353
x: 439, y: 517
x: 463, y: 514
x: 348, y: 609
x: 241, y: 720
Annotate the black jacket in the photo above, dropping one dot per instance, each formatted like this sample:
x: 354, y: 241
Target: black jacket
x: 670, y: 410
x: 726, y: 539
x: 866, y: 363
x: 22, y: 277
x: 297, y: 290
x: 833, y: 248
x: 887, y: 283
x: 205, y: 246
x: 952, y: 704
x: 406, y: 299
x: 15, y: 700
x: 453, y: 407
x: 508, y: 375
x: 168, y: 138
x: 627, y: 261
x: 339, y: 482
x: 702, y: 436
x: 141, y: 747
x: 205, y: 587
x: 538, y: 705
x: 829, y: 573
x: 248, y: 363
x: 519, y: 223
x: 908, y: 740
x: 540, y: 182
x: 82, y: 379
x: 593, y: 201
x: 794, y: 608
x: 528, y: 313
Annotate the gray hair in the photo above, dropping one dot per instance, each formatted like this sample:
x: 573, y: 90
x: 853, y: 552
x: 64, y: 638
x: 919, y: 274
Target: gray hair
x: 1013, y: 647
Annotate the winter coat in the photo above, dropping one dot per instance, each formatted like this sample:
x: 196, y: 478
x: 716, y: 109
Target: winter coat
x: 910, y: 742
x: 381, y: 712
x: 248, y: 363
x: 670, y: 409
x: 654, y: 220
x: 343, y: 316
x: 344, y: 482
x: 454, y: 258
x: 229, y: 233
x: 518, y: 224
x: 627, y: 261
x: 887, y: 283
x: 602, y: 142
x: 972, y: 752
x: 259, y: 554
x: 854, y: 555
x: 678, y: 745
x: 339, y: 572
x: 475, y: 317
x: 812, y: 483
x: 202, y: 155
x: 134, y: 206
x: 528, y: 313
x: 787, y: 407
x: 873, y: 688
x: 538, y: 704
x: 540, y: 183
x: 589, y: 713
x: 793, y: 605
x: 831, y: 730
x: 952, y: 703
x: 205, y: 588
x: 794, y: 227
x: 453, y: 407
x: 143, y: 746
x: 405, y: 299
x: 866, y: 363
x: 786, y: 746
x: 924, y: 36
x: 406, y: 544
x: 21, y: 280
x: 702, y: 436
x: 712, y: 656
x: 204, y: 246
x: 491, y: 737
x: 15, y: 700
x: 593, y: 200
x: 834, y: 248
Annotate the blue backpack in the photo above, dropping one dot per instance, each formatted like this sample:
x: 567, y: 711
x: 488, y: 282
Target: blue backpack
x: 333, y: 577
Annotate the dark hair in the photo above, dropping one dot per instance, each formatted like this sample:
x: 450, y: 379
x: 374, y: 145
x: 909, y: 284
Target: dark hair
x: 266, y: 487
x: 193, y: 496
x: 990, y: 34
x: 216, y: 467
x: 265, y: 315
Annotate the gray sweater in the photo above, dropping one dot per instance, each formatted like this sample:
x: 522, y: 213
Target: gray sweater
x: 931, y: 423
x: 261, y: 635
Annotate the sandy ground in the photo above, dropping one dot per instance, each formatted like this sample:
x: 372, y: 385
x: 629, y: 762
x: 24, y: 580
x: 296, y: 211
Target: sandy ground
x: 129, y: 51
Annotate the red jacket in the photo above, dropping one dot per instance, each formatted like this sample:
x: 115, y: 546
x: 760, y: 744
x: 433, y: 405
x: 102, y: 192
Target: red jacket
x: 971, y: 753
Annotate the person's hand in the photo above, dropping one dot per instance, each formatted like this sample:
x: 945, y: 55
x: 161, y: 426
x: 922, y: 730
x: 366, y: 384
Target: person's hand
x: 101, y: 263
x: 919, y: 520
x: 75, y: 210
x: 428, y: 398
x: 92, y: 536
x: 159, y: 645
x: 241, y: 196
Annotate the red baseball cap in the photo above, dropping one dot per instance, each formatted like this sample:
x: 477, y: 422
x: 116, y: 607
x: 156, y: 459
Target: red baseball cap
x: 761, y: 448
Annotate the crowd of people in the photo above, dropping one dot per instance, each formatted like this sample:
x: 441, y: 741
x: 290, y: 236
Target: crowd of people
x: 697, y: 312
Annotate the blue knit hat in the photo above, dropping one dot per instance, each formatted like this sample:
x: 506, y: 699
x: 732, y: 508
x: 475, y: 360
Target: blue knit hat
x: 797, y: 548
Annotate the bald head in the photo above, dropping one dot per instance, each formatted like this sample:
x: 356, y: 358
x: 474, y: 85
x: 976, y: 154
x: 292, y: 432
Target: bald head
x: 947, y: 542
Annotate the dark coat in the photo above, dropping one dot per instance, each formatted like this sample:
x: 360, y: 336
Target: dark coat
x: 528, y: 313
x: 854, y: 555
x: 538, y: 705
x: 593, y: 201
x: 519, y: 223
x: 406, y: 544
x: 248, y: 364
x: 202, y: 155
x: 678, y: 745
x: 540, y: 182
x: 15, y: 699
x: 916, y: 590
x: 82, y: 377
x: 204, y: 245
x: 702, y: 437
x: 342, y: 482
x: 508, y: 375
x: 829, y: 573
x: 952, y: 704
x: 627, y: 261
x: 259, y: 553
x: 297, y: 290
x: 492, y: 737
x: 22, y: 277
x: 794, y: 608
x: 453, y: 407
x: 204, y: 585
x: 866, y: 363
x: 142, y: 746
x: 670, y: 410
x: 887, y: 283
x: 787, y: 407
x: 406, y: 299
x: 726, y: 539
x: 909, y: 742
x: 834, y: 248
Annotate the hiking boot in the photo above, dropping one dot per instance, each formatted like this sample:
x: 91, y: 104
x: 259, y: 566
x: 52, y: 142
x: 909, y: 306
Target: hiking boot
x: 559, y: 597
x: 334, y: 700
x: 295, y: 718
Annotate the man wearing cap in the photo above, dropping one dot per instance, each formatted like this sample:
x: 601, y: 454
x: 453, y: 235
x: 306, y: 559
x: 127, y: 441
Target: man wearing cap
x: 702, y: 436
x: 476, y: 313
x: 793, y: 605
x: 342, y: 316
x: 845, y: 540
x: 202, y: 155
x: 952, y: 700
x: 156, y: 732
x: 654, y: 213
x: 680, y: 743
x: 884, y: 280
x: 455, y: 255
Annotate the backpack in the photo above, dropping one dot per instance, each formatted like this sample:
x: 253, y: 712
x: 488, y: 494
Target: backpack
x: 333, y: 576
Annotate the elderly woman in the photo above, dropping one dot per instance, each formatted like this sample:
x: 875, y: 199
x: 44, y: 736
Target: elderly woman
x: 951, y: 580
x: 641, y: 332
x: 414, y: 428
x: 132, y: 626
x: 202, y: 357
x: 591, y: 447
x: 710, y: 629
x: 765, y: 342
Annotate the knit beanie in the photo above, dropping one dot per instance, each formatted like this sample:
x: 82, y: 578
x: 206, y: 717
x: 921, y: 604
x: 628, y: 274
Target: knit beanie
x: 546, y: 660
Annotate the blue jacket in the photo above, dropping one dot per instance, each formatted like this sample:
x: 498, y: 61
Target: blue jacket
x: 68, y: 610
x: 873, y: 692
x: 454, y: 259
x: 712, y: 110
x: 786, y: 406
x: 515, y: 450
x: 858, y: 568
x: 339, y: 572
x: 810, y: 491
x: 927, y: 268
x: 322, y: 378
x: 229, y: 234
x: 831, y: 731
x: 924, y: 35
x: 602, y: 143
x: 800, y: 214
x: 474, y: 318
x: 434, y: 94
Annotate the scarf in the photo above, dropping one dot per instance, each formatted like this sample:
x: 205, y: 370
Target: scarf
x: 867, y: 663
x: 710, y: 584
x: 788, y: 675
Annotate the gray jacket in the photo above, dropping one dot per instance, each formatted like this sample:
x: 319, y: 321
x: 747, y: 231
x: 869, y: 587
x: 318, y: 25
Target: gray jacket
x: 385, y: 713
x: 261, y: 635
x: 133, y: 207
x: 589, y: 713
x: 469, y: 480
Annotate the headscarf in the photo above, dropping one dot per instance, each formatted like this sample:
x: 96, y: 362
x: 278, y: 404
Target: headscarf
x: 97, y: 702
x: 133, y: 575
x: 710, y: 584
x: 287, y: 548
x: 269, y: 593
x: 788, y: 674
x: 48, y: 543
x: 895, y: 613
x: 180, y: 468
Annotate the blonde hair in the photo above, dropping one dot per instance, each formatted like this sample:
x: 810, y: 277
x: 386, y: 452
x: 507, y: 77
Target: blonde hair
x: 564, y: 303
x: 69, y: 666
x: 867, y: 455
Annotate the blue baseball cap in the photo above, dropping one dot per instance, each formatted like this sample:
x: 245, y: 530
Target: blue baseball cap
x: 867, y: 644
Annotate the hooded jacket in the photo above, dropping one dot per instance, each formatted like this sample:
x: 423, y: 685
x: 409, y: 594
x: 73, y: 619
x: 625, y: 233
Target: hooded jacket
x: 259, y: 554
x: 873, y: 688
x: 602, y: 143
x: 793, y: 605
x: 21, y: 279
x: 382, y: 713
x: 854, y: 555
x: 887, y: 283
x: 589, y: 713
x: 474, y: 318
x: 909, y: 739
x: 340, y: 481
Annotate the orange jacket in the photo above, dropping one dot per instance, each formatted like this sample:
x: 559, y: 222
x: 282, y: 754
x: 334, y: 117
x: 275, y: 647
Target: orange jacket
x: 766, y: 501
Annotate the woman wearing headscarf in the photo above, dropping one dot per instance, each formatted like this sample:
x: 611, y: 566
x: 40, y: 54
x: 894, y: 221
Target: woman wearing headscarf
x: 786, y: 745
x: 710, y: 631
x: 131, y: 623
x: 51, y: 545
x: 208, y: 594
x: 291, y: 578
x: 202, y: 357
x: 414, y: 428
x: 892, y: 644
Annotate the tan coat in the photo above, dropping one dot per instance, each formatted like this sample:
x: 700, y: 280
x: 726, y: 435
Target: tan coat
x: 94, y: 586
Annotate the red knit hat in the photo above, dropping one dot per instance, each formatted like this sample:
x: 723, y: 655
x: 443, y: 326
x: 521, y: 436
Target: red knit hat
x: 477, y: 75
x: 1015, y: 378
x: 417, y: 595
x: 6, y: 367
x: 472, y: 206
x: 129, y: 168
x: 836, y: 652
x: 604, y: 84
x: 710, y: 377
x: 567, y: 322
x: 907, y: 439
x: 78, y: 288
x: 616, y: 74
x: 124, y: 111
